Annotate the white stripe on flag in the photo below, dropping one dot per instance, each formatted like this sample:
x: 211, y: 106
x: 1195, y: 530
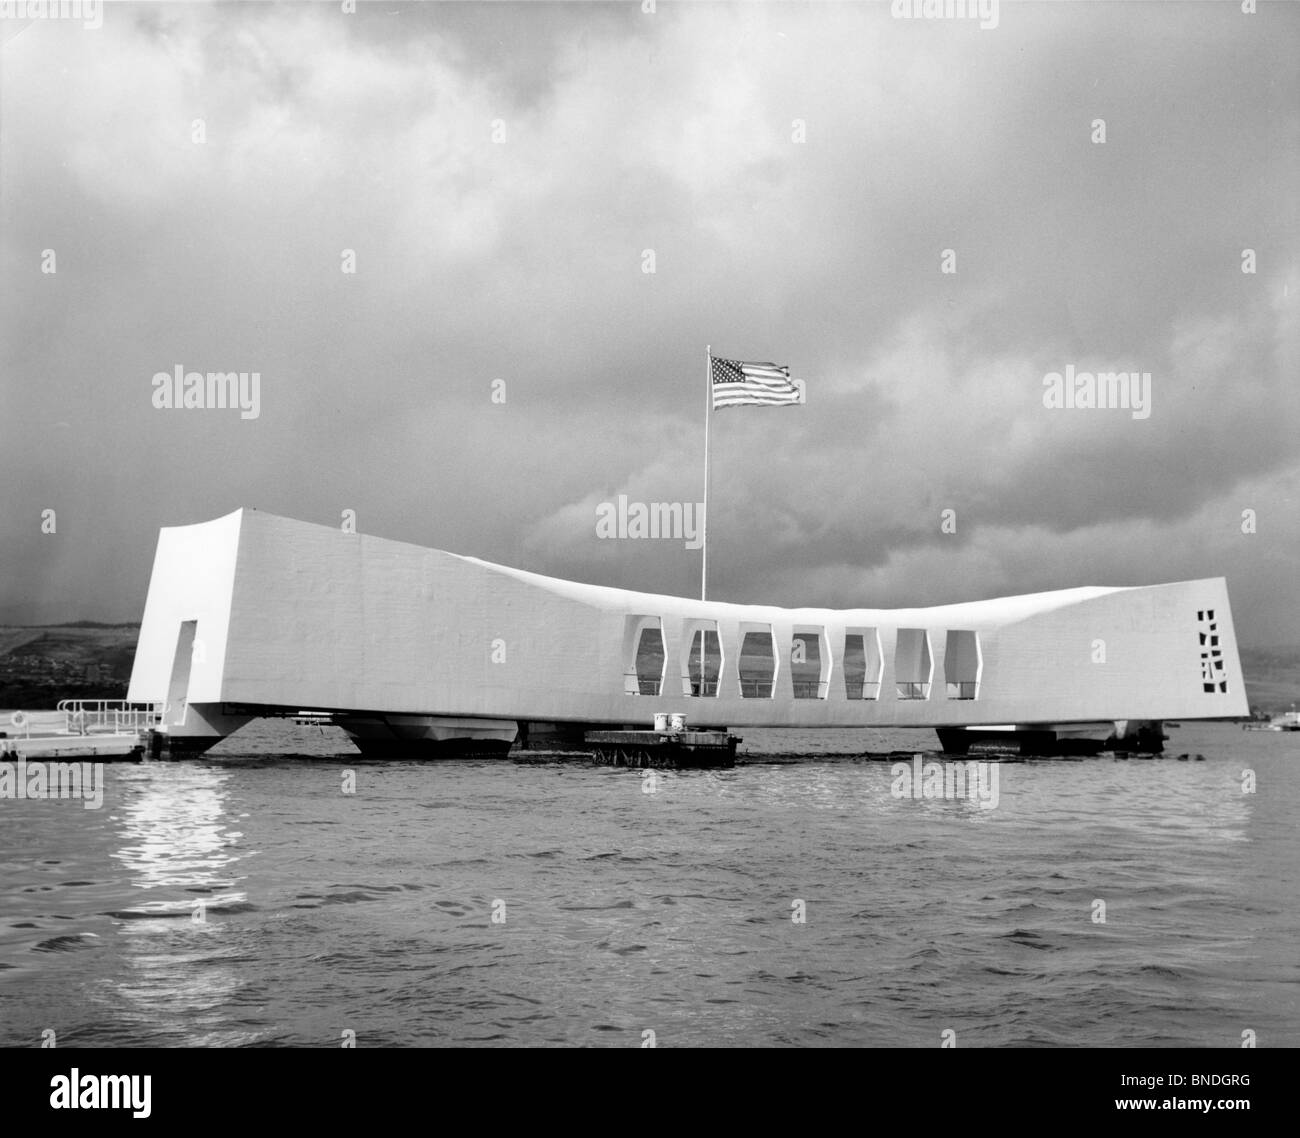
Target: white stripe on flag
x: 781, y: 384
x: 737, y: 398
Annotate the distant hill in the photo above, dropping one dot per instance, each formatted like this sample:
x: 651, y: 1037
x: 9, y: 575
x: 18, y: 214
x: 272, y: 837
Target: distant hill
x: 91, y: 624
x: 42, y: 664
x: 1272, y: 677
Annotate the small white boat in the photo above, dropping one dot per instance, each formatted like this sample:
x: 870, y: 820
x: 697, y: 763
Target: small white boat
x: 1287, y: 721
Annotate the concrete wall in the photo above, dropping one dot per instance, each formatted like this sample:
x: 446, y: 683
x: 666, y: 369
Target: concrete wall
x: 322, y: 619
x: 193, y: 579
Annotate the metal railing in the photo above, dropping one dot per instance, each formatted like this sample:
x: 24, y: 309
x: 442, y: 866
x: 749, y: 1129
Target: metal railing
x: 862, y: 689
x: 912, y: 690
x: 109, y: 716
x: 962, y: 690
x: 756, y: 689
x: 636, y: 684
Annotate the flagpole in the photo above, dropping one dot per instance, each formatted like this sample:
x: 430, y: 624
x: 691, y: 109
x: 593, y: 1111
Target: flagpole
x: 704, y: 522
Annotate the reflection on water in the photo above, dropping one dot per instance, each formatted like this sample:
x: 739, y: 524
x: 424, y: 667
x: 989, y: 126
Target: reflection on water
x: 173, y: 832
x: 174, y: 837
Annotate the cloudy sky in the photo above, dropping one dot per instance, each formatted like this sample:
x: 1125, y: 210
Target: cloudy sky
x: 499, y: 173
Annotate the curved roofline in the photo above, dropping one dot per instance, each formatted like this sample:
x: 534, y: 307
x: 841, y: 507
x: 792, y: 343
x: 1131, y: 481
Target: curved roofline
x: 994, y: 609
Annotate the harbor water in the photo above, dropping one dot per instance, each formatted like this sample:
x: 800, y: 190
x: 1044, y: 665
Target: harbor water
x: 281, y: 890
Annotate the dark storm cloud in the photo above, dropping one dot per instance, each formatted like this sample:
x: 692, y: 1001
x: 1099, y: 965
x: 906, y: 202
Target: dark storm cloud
x: 520, y: 258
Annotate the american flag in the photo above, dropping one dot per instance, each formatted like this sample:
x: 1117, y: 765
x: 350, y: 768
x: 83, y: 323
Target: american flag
x: 737, y: 384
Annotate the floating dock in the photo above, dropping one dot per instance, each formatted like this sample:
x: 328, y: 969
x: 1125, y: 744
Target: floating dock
x: 104, y: 729
x: 684, y: 750
x: 121, y: 748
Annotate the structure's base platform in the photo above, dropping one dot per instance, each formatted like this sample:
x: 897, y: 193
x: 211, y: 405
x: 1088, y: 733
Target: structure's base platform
x: 683, y: 751
x: 1055, y: 739
x: 418, y: 749
x: 161, y: 745
x: 417, y: 737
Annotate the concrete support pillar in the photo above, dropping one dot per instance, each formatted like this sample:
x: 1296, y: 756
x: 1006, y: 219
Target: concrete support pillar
x: 427, y: 736
x: 203, y: 726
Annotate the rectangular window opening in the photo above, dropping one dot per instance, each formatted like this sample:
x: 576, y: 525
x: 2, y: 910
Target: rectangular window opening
x: 913, y: 664
x: 703, y: 663
x: 650, y: 661
x: 962, y: 663
x: 862, y: 663
x: 757, y: 662
x: 643, y: 656
x: 1213, y: 673
x: 178, y: 689
x: 809, y: 663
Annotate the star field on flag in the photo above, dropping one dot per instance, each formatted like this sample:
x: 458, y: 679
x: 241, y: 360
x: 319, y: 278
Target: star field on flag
x: 739, y: 384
